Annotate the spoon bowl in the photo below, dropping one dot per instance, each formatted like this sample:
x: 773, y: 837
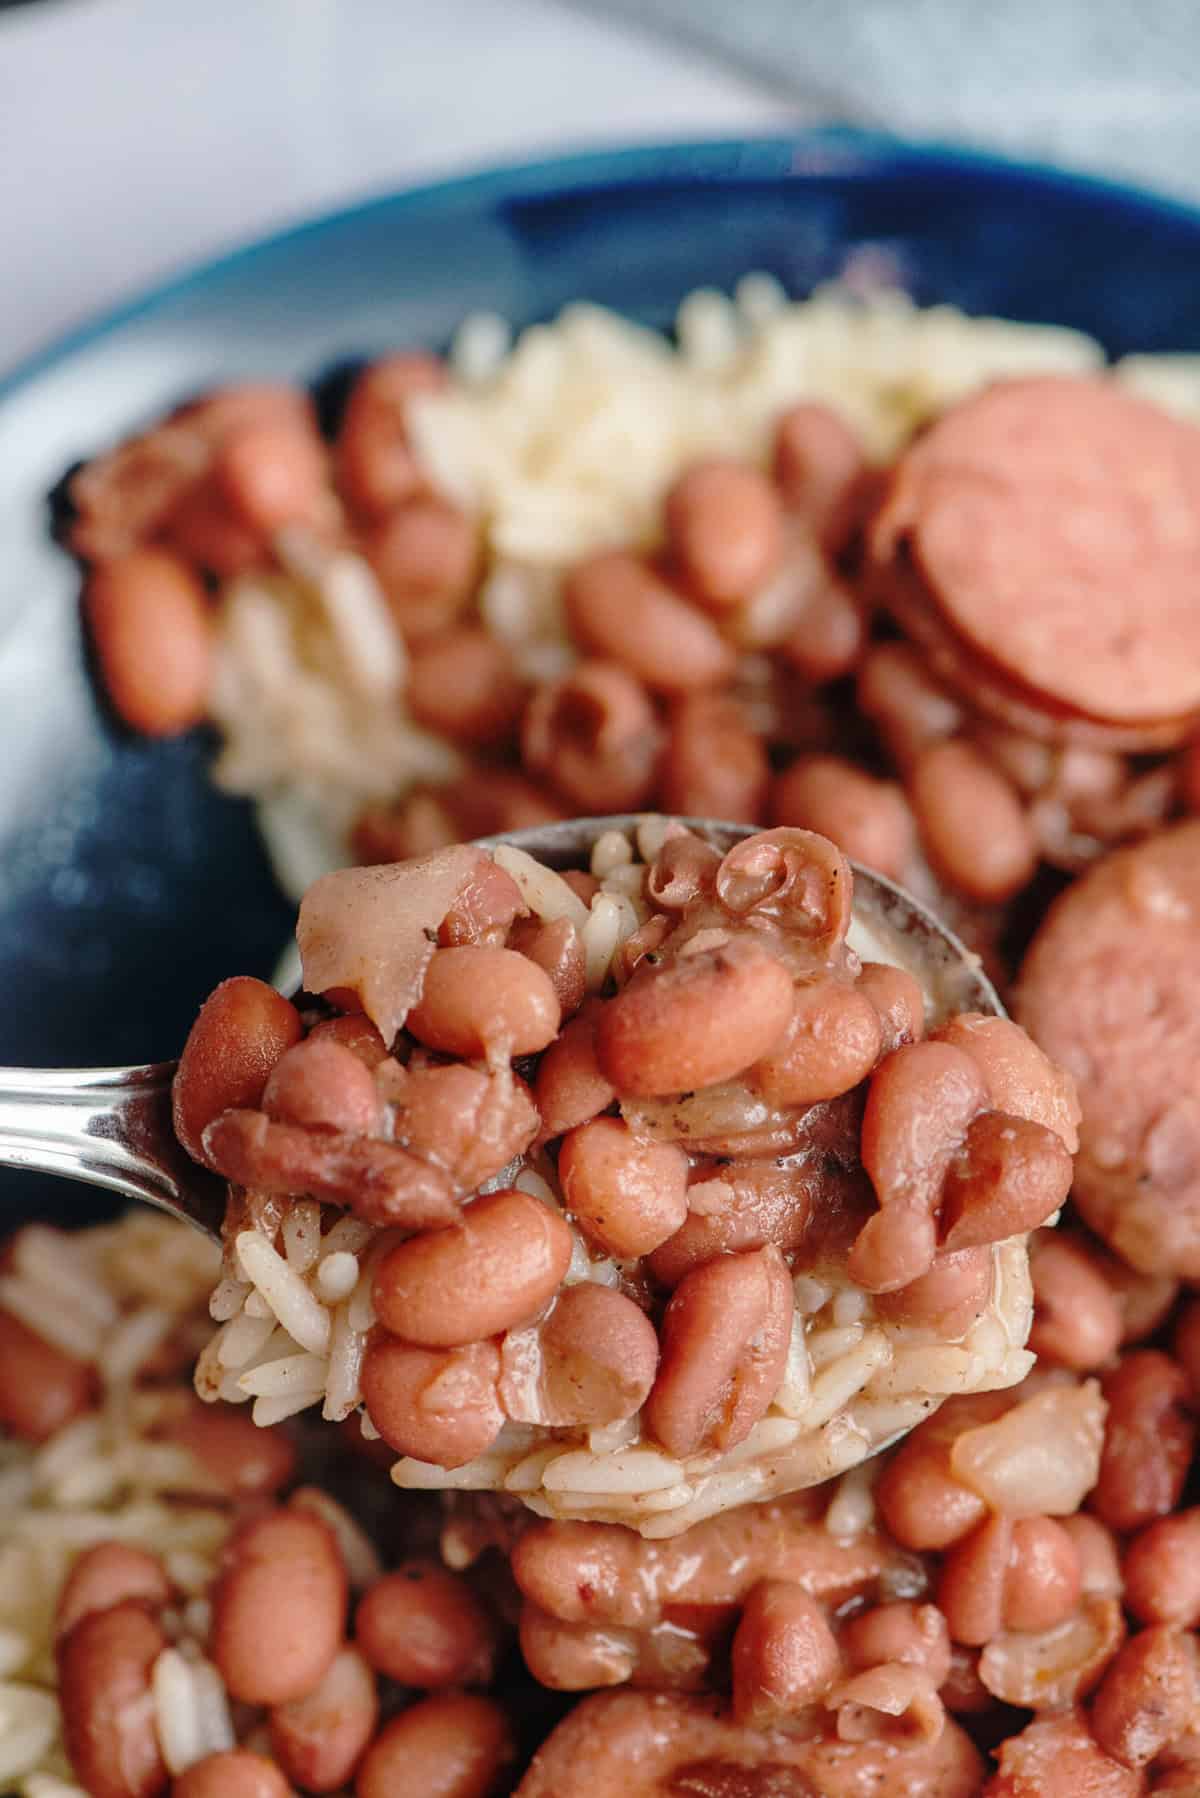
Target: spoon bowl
x: 111, y: 1127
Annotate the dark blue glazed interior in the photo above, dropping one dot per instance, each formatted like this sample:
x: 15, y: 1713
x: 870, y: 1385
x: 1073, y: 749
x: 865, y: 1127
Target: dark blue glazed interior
x: 127, y: 886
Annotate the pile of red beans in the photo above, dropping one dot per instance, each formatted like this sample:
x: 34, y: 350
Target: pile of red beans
x: 960, y: 675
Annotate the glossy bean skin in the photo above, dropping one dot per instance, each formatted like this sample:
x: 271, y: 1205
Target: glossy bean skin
x: 153, y: 632
x: 921, y: 1502
x: 279, y: 1608
x: 971, y: 1589
x: 1162, y: 1571
x: 949, y: 1298
x: 42, y: 1388
x: 569, y: 1087
x: 272, y: 472
x: 832, y: 1042
x: 1149, y: 1437
x: 1009, y: 1176
x: 594, y: 736
x: 868, y: 819
x: 244, y: 1028
x: 319, y: 1739
x: 972, y: 823
x: 108, y: 1574
x: 1076, y: 1316
x: 437, y: 1406
x: 478, y: 997
x: 353, y: 1031
x: 556, y: 949
x: 793, y: 878
x: 1096, y: 1547
x: 915, y: 1635
x: 762, y: 1203
x: 1045, y: 1577
x: 627, y: 1194
x: 462, y: 685
x: 899, y: 1003
x: 785, y: 1655
x: 423, y: 1626
x: 324, y: 1086
x: 376, y: 469
x: 1147, y: 1697
x: 233, y: 1774
x: 725, y: 528
x: 714, y: 765
x: 485, y: 909
x: 657, y: 1036
x: 498, y: 1268
x: 822, y: 471
x: 1019, y: 1077
x: 460, y: 1119
x: 104, y: 1668
x: 724, y: 1341
x: 598, y: 1355
x: 620, y: 609
x: 576, y: 1657
x: 451, y: 1746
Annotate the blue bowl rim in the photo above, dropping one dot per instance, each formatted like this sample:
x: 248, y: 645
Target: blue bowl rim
x: 845, y: 150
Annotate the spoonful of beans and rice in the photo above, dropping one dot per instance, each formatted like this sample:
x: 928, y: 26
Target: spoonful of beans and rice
x: 634, y: 1168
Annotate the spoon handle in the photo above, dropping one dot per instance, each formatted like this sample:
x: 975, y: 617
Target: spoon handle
x: 110, y: 1127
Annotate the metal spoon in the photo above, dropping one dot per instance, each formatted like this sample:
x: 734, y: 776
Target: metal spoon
x: 111, y: 1127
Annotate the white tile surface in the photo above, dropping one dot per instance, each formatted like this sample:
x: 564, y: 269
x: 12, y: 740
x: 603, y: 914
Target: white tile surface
x: 137, y: 136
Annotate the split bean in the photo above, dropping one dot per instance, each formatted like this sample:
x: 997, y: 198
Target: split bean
x: 595, y: 737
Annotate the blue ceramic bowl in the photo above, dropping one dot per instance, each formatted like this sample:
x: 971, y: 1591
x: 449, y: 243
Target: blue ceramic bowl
x: 127, y: 886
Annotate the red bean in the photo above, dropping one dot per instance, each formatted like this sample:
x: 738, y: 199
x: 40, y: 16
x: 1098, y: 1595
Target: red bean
x: 619, y: 609
x: 1009, y: 1176
x: 832, y: 1042
x: 914, y: 1635
x: 243, y: 1030
x: 476, y: 998
x: 495, y: 1271
x: 324, y: 1086
x: 1044, y: 1577
x: 598, y: 1358
x: 462, y: 684
x: 1055, y: 1755
x: 556, y: 948
x: 452, y: 1746
x: 153, y: 631
x: 972, y: 823
x: 458, y: 1118
x: 437, y: 1407
x: 822, y: 471
x: 426, y: 558
x: 971, y: 1589
x: 715, y: 765
x: 1147, y: 1698
x: 319, y: 1740
x: 1076, y: 1318
x: 1162, y: 1571
x: 594, y: 736
x: 785, y: 1656
x: 627, y: 1194
x: 829, y: 640
x: 921, y: 1502
x: 724, y: 1338
x: 42, y: 1388
x: 237, y: 1456
x: 108, y: 1574
x: 725, y: 527
x: 868, y: 819
x: 908, y: 708
x: 233, y: 1774
x: 899, y: 1002
x: 423, y: 1626
x: 104, y: 1668
x: 1149, y: 1436
x: 376, y: 469
x: 279, y: 1608
x: 660, y: 1035
x: 273, y: 473
x: 569, y: 1087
